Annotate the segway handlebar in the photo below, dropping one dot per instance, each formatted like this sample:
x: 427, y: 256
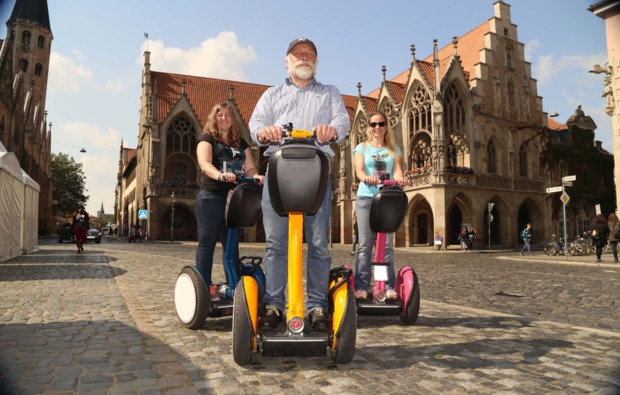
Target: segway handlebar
x: 289, y: 133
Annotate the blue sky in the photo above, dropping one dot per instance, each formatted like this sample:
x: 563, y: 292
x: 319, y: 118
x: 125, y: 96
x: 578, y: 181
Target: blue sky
x: 95, y: 72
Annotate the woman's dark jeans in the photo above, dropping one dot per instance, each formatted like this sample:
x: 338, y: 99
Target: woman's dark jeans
x: 211, y: 228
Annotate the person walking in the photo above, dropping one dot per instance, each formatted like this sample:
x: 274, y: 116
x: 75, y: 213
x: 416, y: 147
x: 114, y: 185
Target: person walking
x: 463, y: 238
x: 614, y: 234
x: 222, y: 154
x: 471, y: 232
x: 355, y: 234
x: 310, y: 105
x: 600, y: 234
x: 374, y: 158
x: 79, y: 227
x: 526, y: 235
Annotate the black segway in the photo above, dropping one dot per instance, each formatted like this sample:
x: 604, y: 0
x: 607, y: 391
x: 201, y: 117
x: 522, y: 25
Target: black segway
x: 192, y: 297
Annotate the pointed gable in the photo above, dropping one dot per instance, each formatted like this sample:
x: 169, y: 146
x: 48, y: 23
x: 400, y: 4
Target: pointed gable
x: 469, y: 46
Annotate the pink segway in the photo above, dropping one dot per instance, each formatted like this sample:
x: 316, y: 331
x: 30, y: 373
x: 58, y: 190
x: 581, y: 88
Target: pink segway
x: 387, y: 211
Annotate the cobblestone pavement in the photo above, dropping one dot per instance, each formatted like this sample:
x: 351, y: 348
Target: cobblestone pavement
x: 104, y: 322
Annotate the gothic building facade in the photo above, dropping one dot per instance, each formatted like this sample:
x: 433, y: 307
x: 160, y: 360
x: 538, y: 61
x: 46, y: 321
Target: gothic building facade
x: 24, y: 71
x: 468, y: 119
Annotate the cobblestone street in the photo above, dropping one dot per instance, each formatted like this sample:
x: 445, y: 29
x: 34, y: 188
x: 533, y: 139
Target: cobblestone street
x: 490, y: 322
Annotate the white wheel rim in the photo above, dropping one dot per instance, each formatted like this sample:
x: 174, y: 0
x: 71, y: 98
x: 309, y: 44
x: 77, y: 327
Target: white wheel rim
x: 185, y: 298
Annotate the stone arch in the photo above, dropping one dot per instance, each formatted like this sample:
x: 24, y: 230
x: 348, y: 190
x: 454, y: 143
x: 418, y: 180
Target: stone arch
x: 185, y: 224
x: 498, y: 214
x: 459, y: 212
x: 420, y: 221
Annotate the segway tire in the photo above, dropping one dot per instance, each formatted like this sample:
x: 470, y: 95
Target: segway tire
x: 192, y: 300
x: 409, y: 314
x: 243, y: 331
x: 346, y: 336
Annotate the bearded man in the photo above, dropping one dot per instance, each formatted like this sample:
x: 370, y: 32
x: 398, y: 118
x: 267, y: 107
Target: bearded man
x: 309, y: 105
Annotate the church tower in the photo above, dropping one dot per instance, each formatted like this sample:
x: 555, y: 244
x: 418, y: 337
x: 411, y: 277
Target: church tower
x: 24, y: 72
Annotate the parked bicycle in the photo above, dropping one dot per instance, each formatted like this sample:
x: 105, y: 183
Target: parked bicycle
x: 555, y: 247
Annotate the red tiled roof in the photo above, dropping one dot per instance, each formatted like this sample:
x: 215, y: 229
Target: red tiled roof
x: 203, y: 93
x: 468, y: 49
x: 554, y: 125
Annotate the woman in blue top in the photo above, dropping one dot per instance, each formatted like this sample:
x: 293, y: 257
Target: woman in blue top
x: 375, y: 156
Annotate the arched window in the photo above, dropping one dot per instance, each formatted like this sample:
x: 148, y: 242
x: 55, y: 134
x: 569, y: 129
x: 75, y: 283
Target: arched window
x: 420, y: 115
x: 523, y: 161
x: 38, y: 69
x: 26, y: 35
x: 454, y: 111
x: 23, y: 65
x: 181, y: 137
x: 491, y: 158
x: 41, y: 42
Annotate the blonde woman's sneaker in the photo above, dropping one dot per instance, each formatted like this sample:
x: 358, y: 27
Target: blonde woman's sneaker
x: 361, y: 294
x: 391, y: 294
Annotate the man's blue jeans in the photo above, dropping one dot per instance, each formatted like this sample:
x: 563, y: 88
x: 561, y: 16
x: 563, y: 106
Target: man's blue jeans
x: 367, y: 242
x: 276, y: 253
x: 526, y: 245
x: 211, y: 228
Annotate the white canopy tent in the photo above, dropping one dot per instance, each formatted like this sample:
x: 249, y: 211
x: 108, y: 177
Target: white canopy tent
x: 19, y: 208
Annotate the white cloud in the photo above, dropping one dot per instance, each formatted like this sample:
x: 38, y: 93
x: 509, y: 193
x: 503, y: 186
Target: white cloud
x: 90, y: 136
x: 530, y: 48
x: 115, y: 85
x: 219, y: 57
x: 547, y: 67
x: 66, y: 75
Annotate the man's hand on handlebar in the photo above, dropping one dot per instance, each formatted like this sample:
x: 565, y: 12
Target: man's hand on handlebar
x: 325, y: 133
x: 270, y: 134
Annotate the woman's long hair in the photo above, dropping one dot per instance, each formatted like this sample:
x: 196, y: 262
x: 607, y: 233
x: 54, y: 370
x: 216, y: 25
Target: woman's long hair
x: 389, y: 137
x: 212, y: 129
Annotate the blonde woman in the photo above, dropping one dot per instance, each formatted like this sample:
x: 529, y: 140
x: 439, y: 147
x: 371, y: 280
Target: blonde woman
x: 375, y: 156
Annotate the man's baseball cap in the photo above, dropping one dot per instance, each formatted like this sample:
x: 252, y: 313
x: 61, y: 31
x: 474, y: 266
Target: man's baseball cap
x: 300, y: 40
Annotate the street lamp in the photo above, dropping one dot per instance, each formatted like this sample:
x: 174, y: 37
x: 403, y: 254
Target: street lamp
x: 172, y: 219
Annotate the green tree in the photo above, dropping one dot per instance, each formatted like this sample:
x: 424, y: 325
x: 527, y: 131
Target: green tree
x: 68, y: 183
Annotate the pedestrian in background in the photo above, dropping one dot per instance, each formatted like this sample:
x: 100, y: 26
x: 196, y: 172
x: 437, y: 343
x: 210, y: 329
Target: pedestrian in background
x: 526, y: 235
x: 471, y: 232
x: 600, y: 234
x: 614, y: 234
x: 463, y: 238
x: 355, y: 234
x: 79, y: 227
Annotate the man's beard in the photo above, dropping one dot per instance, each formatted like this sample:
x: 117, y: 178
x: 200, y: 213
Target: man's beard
x: 302, y: 69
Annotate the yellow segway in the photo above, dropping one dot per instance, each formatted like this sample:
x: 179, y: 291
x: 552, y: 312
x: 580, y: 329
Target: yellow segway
x: 298, y: 175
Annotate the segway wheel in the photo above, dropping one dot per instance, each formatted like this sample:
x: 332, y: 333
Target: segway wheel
x: 244, y: 308
x: 411, y: 306
x: 192, y: 301
x: 344, y: 349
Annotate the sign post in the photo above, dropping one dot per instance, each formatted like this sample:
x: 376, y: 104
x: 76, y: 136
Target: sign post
x: 490, y: 207
x: 565, y: 198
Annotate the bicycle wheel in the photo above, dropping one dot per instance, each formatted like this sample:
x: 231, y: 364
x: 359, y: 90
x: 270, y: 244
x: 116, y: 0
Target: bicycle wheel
x: 549, y: 249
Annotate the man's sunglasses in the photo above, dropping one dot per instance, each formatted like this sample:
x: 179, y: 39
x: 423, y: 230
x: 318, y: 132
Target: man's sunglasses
x: 375, y: 124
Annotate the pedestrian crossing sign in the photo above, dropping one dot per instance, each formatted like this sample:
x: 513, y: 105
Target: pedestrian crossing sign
x: 142, y: 214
